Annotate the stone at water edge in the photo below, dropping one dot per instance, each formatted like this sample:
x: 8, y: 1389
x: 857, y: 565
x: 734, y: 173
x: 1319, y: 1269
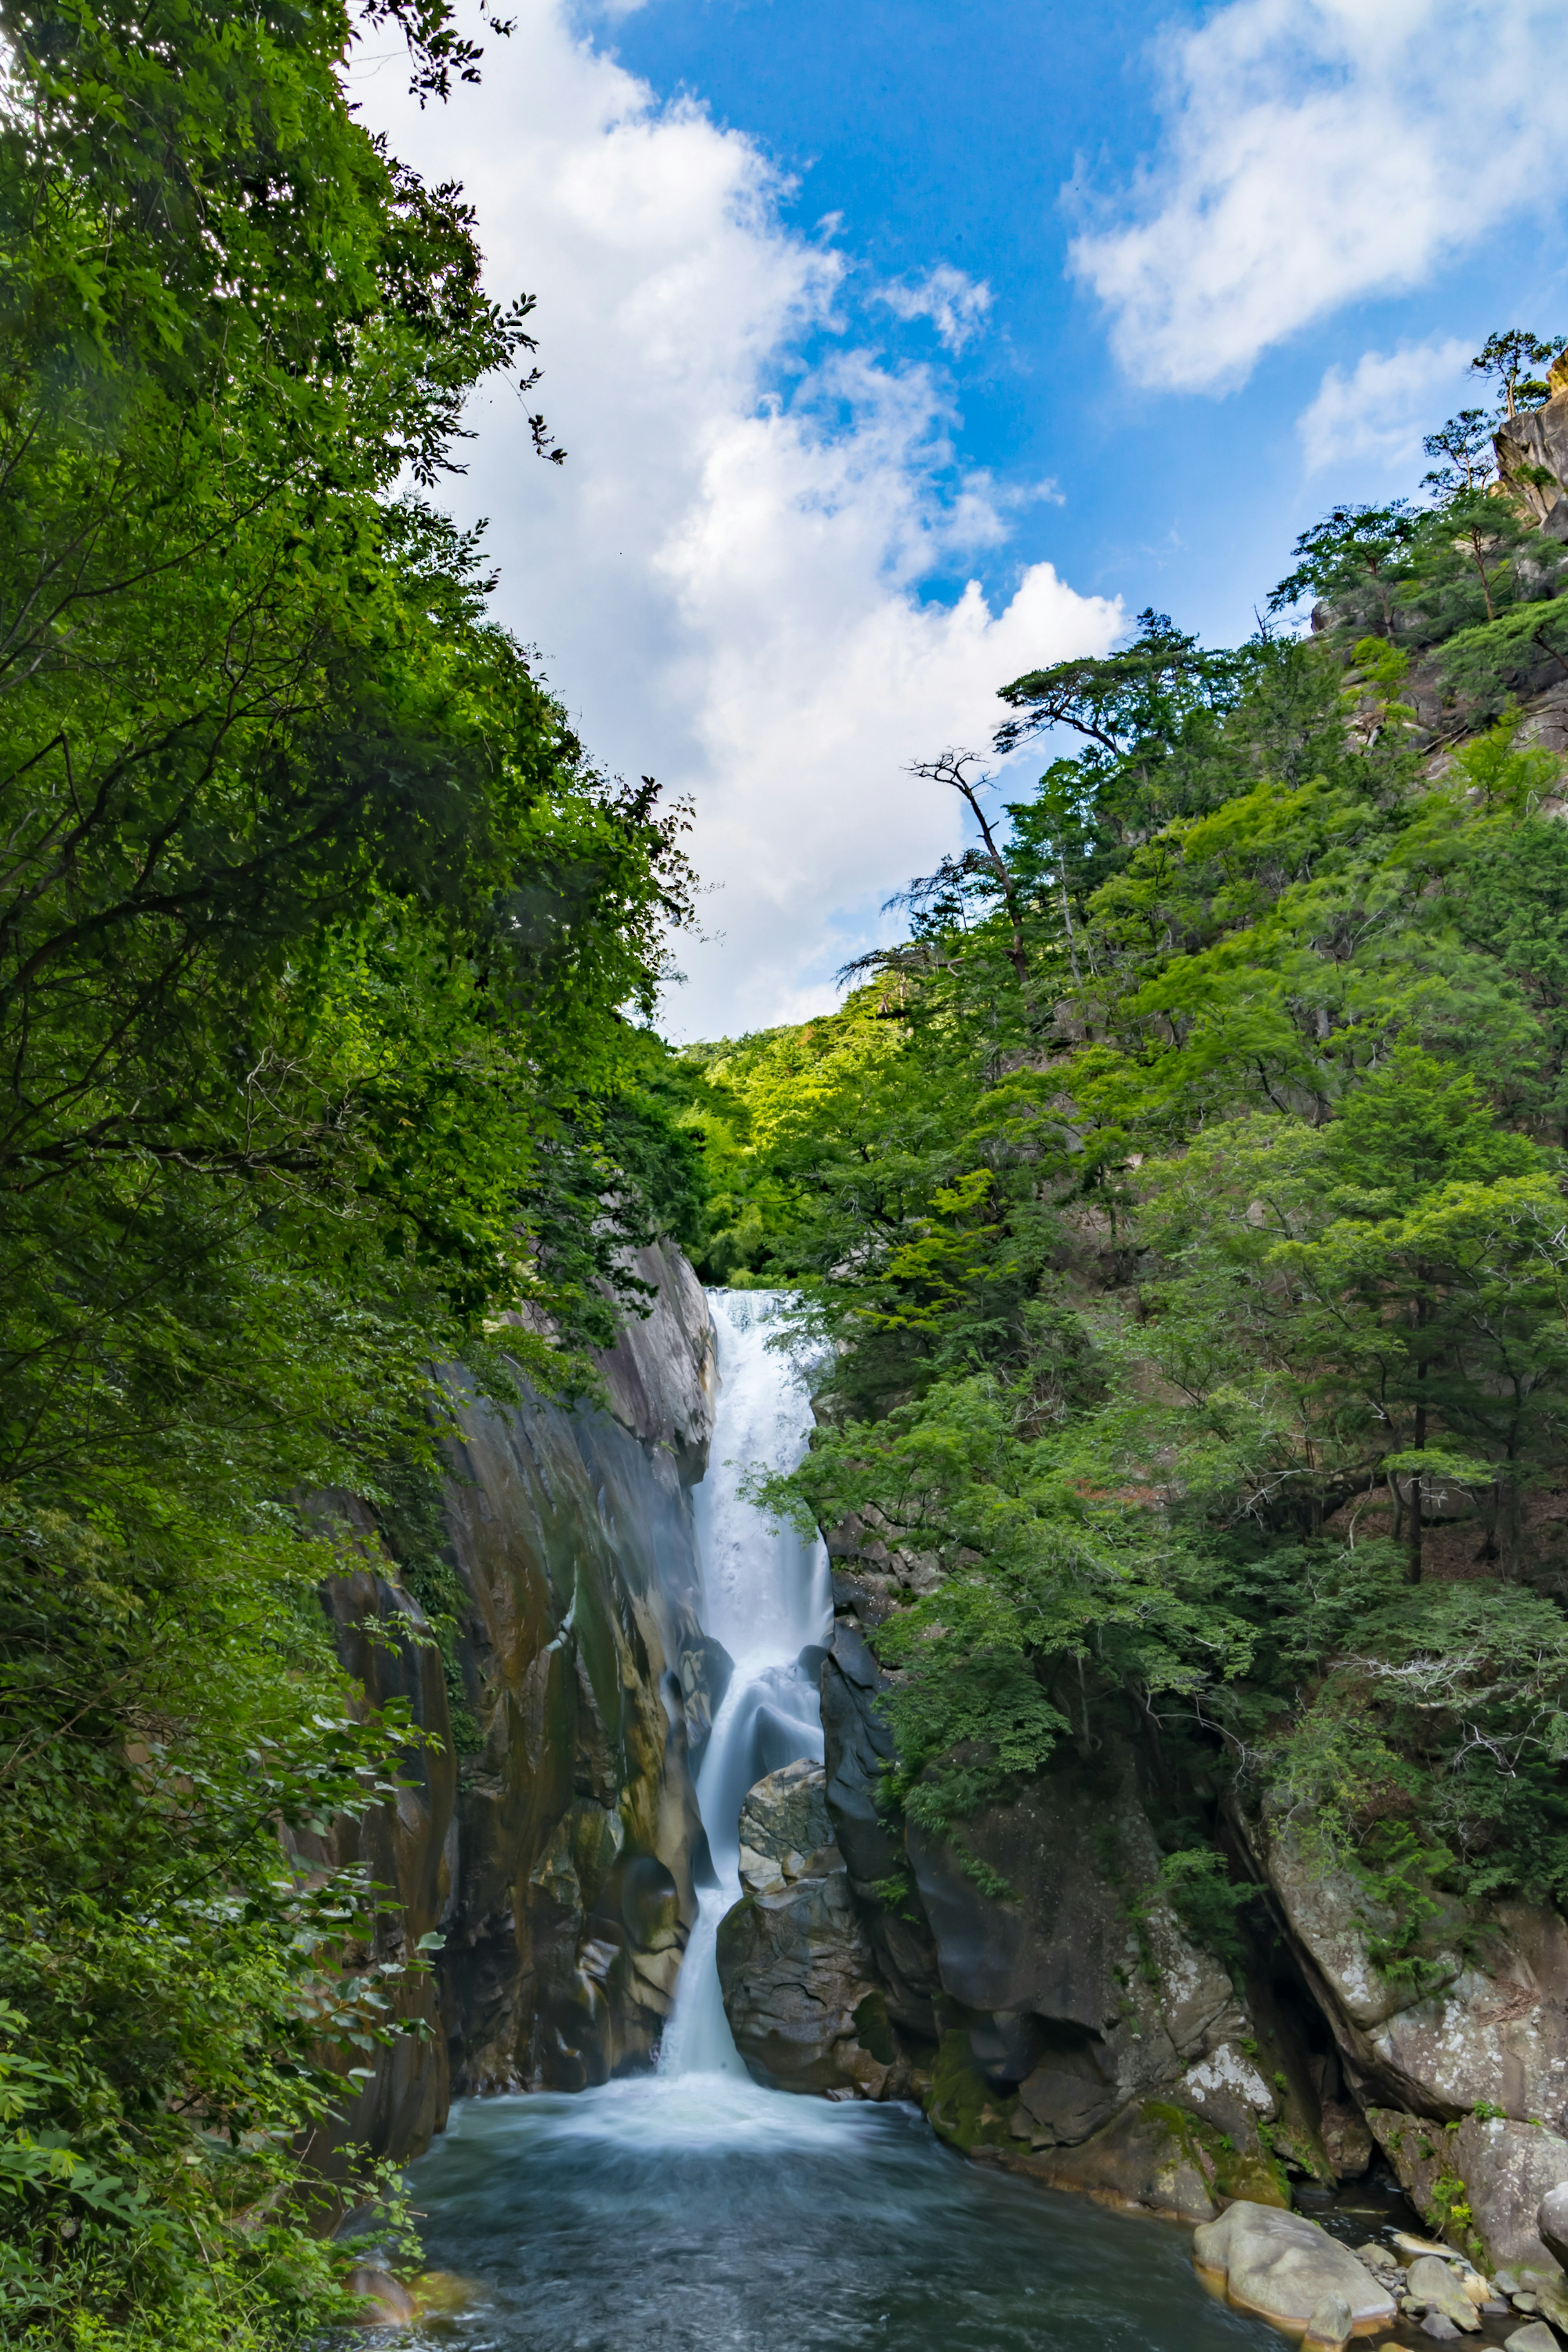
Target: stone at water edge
x: 1439, y: 2325
x: 1552, y: 2221
x: 1283, y: 2266
x: 1536, y: 2338
x: 1331, y: 2325
x: 387, y: 2300
x: 1433, y: 2283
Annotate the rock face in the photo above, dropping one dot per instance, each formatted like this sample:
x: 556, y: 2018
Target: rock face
x: 1459, y: 2062
x: 1537, y: 439
x: 1070, y: 2026
x: 571, y: 1535
x: 1286, y: 2268
x: 796, y: 1970
x: 550, y: 1841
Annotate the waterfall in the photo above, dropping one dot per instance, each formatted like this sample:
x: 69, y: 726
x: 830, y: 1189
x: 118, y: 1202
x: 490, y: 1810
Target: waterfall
x: 768, y: 1602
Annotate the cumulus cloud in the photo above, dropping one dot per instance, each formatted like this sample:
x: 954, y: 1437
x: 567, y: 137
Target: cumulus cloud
x: 1380, y: 410
x: 957, y: 305
x: 1320, y: 151
x: 725, y: 579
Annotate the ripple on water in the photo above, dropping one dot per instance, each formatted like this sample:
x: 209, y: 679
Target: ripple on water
x: 704, y: 2212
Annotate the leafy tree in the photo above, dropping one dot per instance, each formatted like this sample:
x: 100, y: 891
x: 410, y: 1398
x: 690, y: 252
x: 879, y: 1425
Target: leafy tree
x: 1465, y: 447
x: 1507, y: 357
x: 318, y: 933
x: 1212, y: 1323
x: 1355, y: 558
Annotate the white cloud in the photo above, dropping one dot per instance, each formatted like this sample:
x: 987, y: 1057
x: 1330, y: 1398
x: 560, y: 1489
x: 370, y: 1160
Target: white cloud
x: 957, y: 305
x: 1382, y: 408
x: 1320, y: 151
x: 725, y: 577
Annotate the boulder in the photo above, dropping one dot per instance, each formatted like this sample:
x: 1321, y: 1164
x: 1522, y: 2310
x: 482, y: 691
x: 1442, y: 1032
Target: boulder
x: 1286, y: 2268
x: 1535, y: 2338
x: 783, y: 1823
x: 1329, y: 2327
x: 1432, y: 2282
x: 384, y: 2301
x: 801, y: 1991
x: 1502, y: 2170
x: 800, y: 1986
x: 1552, y: 2221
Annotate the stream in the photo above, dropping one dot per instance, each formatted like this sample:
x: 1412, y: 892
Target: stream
x: 689, y: 2207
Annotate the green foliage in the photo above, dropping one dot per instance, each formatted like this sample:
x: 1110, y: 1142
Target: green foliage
x: 320, y: 938
x: 1197, y: 1287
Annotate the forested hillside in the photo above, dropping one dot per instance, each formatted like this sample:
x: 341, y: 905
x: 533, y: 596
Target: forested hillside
x: 318, y: 935
x: 1184, y: 1195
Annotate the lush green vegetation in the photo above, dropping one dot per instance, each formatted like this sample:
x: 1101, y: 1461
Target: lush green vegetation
x: 317, y: 934
x: 1183, y: 1192
x: 1184, y: 1195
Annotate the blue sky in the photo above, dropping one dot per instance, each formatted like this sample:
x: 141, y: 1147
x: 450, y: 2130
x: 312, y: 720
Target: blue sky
x: 898, y: 346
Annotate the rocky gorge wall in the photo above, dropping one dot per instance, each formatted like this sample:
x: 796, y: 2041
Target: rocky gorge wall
x: 548, y: 1839
x: 1030, y: 1981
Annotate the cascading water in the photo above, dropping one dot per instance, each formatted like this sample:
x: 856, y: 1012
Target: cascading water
x: 768, y: 1603
x: 690, y: 2208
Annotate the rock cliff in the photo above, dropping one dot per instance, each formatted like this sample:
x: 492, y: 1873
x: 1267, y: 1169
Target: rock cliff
x: 550, y: 1844
x: 1042, y: 1995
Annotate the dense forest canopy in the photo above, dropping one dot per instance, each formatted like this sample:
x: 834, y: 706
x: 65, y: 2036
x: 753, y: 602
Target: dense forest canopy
x: 1184, y: 1194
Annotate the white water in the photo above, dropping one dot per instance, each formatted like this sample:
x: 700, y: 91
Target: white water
x: 767, y: 1599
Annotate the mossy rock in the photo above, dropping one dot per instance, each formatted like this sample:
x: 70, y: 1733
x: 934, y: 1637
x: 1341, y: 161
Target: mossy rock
x: 874, y: 2030
x: 1258, y: 2179
x: 962, y: 2107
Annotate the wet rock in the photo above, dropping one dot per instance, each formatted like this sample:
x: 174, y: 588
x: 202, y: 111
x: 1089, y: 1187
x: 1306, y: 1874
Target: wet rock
x: 784, y: 1821
x: 1438, y: 2324
x: 1330, y: 2326
x: 1284, y: 2267
x: 1145, y: 2157
x: 1431, y: 2282
x: 858, y: 1746
x: 1347, y: 2141
x: 1506, y: 2169
x: 801, y: 1989
x: 1536, y: 2338
x: 1552, y: 2221
x: 571, y: 1540
x: 385, y: 2301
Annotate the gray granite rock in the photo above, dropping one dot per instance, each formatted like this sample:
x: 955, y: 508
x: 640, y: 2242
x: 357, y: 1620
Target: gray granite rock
x: 1283, y: 2266
x: 801, y: 1991
x: 783, y: 1823
x: 1433, y: 2283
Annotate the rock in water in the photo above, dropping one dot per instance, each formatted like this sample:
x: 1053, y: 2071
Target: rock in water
x: 800, y: 1985
x: 1536, y: 2338
x: 1434, y: 2283
x: 387, y: 2301
x: 784, y: 1821
x: 1285, y: 2267
x: 1329, y: 2328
